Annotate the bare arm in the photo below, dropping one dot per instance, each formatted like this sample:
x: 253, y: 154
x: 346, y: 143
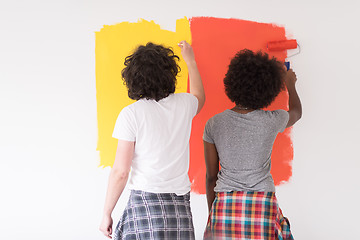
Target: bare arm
x: 212, y: 169
x: 117, y: 181
x: 196, y: 86
x: 295, y: 109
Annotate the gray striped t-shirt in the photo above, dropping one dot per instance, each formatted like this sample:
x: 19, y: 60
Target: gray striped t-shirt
x: 244, y: 144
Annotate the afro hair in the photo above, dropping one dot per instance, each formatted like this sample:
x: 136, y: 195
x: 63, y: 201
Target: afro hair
x: 253, y: 80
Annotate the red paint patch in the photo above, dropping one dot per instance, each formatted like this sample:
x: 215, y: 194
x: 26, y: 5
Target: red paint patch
x: 215, y: 41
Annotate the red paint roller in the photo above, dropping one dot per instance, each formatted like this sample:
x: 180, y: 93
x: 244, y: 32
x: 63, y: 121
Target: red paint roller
x: 283, y: 45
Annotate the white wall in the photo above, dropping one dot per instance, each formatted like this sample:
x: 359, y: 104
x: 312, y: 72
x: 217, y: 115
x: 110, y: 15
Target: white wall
x: 50, y: 183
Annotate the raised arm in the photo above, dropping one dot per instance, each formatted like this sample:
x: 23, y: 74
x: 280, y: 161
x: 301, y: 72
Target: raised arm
x: 295, y: 109
x: 196, y: 86
x: 212, y: 169
x: 117, y: 180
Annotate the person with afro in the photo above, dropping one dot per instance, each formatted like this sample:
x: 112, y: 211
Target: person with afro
x: 241, y: 195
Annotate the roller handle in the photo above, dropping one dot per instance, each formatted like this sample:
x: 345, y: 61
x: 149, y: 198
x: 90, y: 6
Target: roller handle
x: 287, y: 64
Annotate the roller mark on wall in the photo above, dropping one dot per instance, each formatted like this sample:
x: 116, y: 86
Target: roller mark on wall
x: 215, y: 42
x: 112, y: 44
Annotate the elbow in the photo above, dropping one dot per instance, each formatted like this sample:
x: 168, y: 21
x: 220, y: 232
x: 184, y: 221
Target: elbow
x: 211, y: 178
x: 202, y: 102
x: 119, y: 174
x: 201, y: 98
x: 299, y: 115
x: 295, y: 116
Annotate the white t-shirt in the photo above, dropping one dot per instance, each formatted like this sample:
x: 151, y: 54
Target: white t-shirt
x: 161, y: 132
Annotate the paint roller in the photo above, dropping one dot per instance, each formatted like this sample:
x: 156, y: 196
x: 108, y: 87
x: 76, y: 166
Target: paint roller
x: 284, y: 45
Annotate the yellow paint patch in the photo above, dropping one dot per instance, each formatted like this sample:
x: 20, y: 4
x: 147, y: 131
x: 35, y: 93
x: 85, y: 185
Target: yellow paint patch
x: 112, y: 44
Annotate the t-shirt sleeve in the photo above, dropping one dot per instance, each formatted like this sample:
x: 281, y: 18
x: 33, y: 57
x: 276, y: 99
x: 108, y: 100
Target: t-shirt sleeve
x: 207, y: 136
x: 125, y: 126
x: 193, y: 103
x: 282, y: 118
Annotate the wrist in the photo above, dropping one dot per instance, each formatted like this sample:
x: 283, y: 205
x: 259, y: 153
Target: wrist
x: 106, y: 214
x: 191, y: 64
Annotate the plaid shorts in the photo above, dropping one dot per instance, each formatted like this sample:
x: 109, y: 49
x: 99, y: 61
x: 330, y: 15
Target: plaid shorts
x: 156, y: 216
x: 247, y: 215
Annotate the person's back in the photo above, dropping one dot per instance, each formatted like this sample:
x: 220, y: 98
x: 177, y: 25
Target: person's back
x: 162, y: 132
x: 241, y: 195
x: 244, y: 145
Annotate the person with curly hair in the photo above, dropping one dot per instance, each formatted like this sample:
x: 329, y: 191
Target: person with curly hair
x: 241, y: 195
x: 153, y: 141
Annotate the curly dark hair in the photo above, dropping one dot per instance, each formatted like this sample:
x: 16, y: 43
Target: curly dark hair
x: 150, y: 72
x: 253, y: 80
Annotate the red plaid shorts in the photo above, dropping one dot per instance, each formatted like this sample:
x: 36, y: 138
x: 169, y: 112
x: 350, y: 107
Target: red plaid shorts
x: 247, y: 215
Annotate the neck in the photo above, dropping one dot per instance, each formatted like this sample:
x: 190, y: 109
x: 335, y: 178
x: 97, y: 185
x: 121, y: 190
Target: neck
x: 241, y: 109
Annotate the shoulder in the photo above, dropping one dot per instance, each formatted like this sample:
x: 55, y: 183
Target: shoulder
x: 126, y: 114
x: 217, y: 118
x: 279, y: 118
x: 133, y: 110
x: 139, y: 105
x: 129, y: 109
x: 213, y: 127
x: 188, y: 100
x: 275, y: 114
x: 184, y: 96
